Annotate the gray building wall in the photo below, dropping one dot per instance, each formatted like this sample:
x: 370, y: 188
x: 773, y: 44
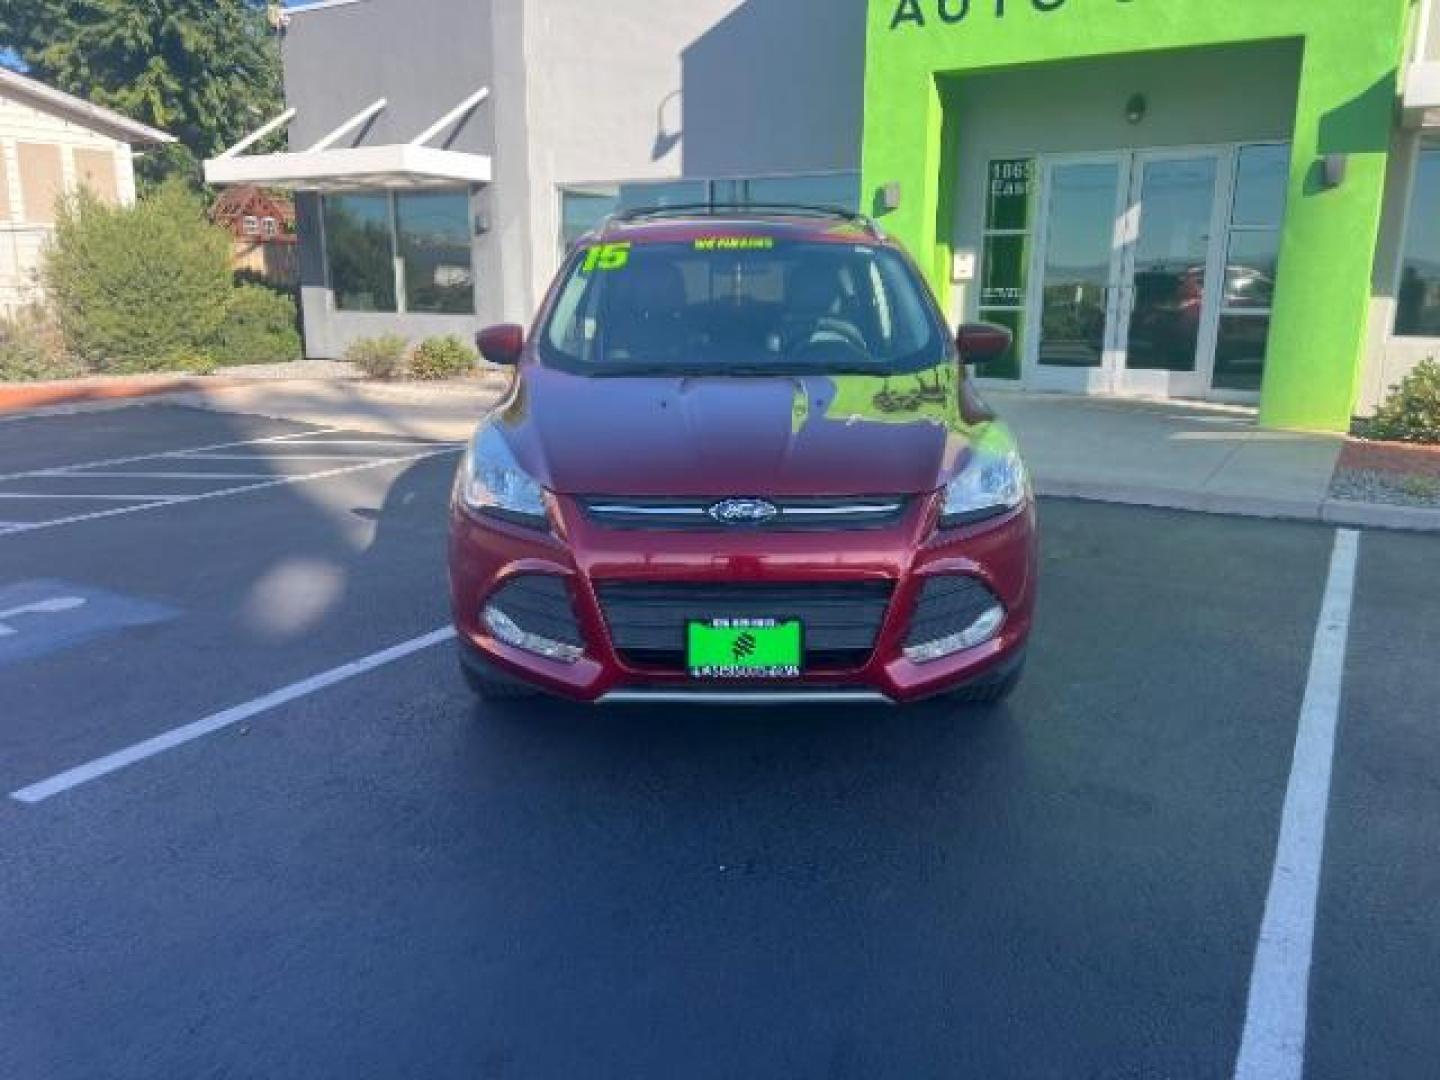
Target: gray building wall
x: 1389, y: 358
x: 776, y: 86
x: 581, y: 92
x: 645, y: 89
x: 423, y: 57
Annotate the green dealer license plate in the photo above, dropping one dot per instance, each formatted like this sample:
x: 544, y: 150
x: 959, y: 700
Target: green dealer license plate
x: 744, y: 648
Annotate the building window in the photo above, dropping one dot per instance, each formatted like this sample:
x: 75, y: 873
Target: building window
x: 269, y: 229
x: 434, y: 232
x: 434, y: 273
x: 584, y: 206
x: 1417, y: 307
x: 250, y: 225
x: 1005, y: 258
x: 42, y: 181
x: 95, y: 170
x: 1252, y: 263
x: 360, y: 252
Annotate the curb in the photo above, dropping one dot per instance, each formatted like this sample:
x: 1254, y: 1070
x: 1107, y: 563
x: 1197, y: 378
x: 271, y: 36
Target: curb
x: 1328, y: 511
x: 19, y: 398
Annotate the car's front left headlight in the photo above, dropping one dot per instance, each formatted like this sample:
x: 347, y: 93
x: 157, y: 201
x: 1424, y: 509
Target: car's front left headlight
x: 492, y: 482
x: 993, y: 481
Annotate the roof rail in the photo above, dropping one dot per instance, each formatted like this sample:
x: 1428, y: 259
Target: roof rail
x: 715, y: 209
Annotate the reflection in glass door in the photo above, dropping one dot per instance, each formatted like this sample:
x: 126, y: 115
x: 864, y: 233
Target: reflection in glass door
x: 1078, y: 269
x: 1168, y: 286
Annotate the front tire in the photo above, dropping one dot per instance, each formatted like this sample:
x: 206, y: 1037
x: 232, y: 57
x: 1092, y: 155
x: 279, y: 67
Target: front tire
x: 991, y: 690
x: 489, y: 685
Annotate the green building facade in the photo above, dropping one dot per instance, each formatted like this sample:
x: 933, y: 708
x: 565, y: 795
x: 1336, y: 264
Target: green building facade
x: 1181, y: 198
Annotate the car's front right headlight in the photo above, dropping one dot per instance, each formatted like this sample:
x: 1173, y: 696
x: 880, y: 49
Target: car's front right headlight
x: 993, y: 481
x: 491, y: 481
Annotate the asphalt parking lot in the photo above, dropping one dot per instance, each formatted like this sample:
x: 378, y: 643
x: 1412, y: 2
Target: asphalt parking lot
x: 226, y: 853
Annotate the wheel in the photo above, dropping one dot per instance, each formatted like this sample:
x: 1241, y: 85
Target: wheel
x: 989, y: 691
x: 491, y: 686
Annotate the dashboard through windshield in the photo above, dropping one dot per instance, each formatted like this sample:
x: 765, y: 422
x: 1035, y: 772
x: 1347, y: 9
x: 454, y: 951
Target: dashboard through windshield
x: 740, y: 305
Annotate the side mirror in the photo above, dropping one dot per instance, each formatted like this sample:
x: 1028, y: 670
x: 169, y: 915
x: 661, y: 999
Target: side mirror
x: 501, y: 344
x: 981, y: 341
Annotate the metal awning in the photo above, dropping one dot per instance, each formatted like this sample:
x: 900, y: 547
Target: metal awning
x: 395, y: 166
x: 323, y: 167
x: 1421, y: 98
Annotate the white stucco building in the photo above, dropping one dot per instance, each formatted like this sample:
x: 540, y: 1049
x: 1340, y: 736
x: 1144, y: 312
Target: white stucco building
x: 52, y: 143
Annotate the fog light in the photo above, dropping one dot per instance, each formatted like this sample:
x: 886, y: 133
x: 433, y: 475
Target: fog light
x: 507, y: 630
x: 978, y: 632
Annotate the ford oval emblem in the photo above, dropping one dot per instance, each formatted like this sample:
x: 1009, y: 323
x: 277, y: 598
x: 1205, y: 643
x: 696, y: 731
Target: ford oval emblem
x: 744, y: 511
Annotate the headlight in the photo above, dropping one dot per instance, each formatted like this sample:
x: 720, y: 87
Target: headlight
x: 491, y: 482
x: 993, y: 481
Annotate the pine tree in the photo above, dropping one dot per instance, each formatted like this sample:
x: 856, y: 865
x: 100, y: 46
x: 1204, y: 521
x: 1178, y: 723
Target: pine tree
x: 207, y: 71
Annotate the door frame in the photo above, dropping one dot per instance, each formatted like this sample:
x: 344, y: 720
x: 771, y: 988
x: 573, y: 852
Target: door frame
x: 1113, y: 377
x: 1196, y: 383
x: 1095, y: 380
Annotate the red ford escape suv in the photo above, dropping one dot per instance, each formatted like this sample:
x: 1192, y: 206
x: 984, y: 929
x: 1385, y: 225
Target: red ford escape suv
x: 740, y: 462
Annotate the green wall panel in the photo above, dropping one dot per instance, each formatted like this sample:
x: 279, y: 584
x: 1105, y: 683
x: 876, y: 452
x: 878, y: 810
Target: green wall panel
x: 1348, y: 85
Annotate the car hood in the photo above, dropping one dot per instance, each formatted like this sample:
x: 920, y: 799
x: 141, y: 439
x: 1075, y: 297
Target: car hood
x: 708, y: 436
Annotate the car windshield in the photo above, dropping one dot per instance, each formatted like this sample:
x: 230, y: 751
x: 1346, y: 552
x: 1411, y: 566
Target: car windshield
x: 740, y: 304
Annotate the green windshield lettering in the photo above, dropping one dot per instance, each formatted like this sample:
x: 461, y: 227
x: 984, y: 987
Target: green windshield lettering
x: 607, y: 257
x: 735, y: 243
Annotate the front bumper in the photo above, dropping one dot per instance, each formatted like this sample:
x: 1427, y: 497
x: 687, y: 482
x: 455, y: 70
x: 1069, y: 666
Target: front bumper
x: 486, y: 554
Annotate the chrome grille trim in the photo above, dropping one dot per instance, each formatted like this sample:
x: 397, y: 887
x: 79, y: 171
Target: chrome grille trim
x: 866, y: 512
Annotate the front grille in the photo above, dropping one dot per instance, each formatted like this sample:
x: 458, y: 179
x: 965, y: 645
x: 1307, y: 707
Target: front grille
x: 794, y: 515
x: 647, y: 620
x: 948, y: 604
x: 539, y: 604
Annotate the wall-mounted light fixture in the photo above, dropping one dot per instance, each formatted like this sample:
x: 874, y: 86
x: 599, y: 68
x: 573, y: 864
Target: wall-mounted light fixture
x: 1136, y: 108
x: 890, y: 197
x: 1333, y: 168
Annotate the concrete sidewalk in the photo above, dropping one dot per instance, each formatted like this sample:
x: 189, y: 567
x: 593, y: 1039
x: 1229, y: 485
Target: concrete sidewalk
x: 1209, y: 458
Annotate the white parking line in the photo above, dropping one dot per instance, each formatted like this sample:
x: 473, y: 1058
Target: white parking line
x: 279, y: 457
x: 106, y: 475
x: 169, y: 740
x: 168, y: 453
x: 83, y: 495
x: 1273, y: 1044
x: 157, y: 502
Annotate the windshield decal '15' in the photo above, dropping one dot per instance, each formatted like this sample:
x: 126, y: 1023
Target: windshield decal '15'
x: 607, y: 257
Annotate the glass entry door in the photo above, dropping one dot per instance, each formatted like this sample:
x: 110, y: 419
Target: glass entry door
x: 1082, y: 200
x: 1127, y: 270
x: 1167, y: 309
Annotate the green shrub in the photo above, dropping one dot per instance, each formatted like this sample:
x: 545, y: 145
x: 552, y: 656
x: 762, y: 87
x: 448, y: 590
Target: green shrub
x: 32, y: 347
x: 138, y: 288
x: 442, y: 358
x: 259, y: 328
x: 1412, y: 411
x: 380, y: 357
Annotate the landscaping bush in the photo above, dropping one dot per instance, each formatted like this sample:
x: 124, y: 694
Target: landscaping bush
x: 142, y: 287
x: 1412, y: 411
x: 380, y: 357
x: 441, y: 358
x: 259, y: 328
x: 32, y: 347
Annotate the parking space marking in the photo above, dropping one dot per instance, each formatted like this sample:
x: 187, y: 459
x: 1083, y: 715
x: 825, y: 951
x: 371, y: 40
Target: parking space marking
x: 169, y: 740
x: 166, y: 453
x: 164, y: 475
x: 1273, y: 1044
x: 28, y: 495
x: 157, y: 501
x: 277, y: 457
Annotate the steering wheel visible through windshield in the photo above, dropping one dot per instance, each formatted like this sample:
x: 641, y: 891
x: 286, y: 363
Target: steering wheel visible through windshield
x: 740, y: 304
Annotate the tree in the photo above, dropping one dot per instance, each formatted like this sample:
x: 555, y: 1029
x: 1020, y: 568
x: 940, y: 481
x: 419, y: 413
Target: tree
x: 207, y: 71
